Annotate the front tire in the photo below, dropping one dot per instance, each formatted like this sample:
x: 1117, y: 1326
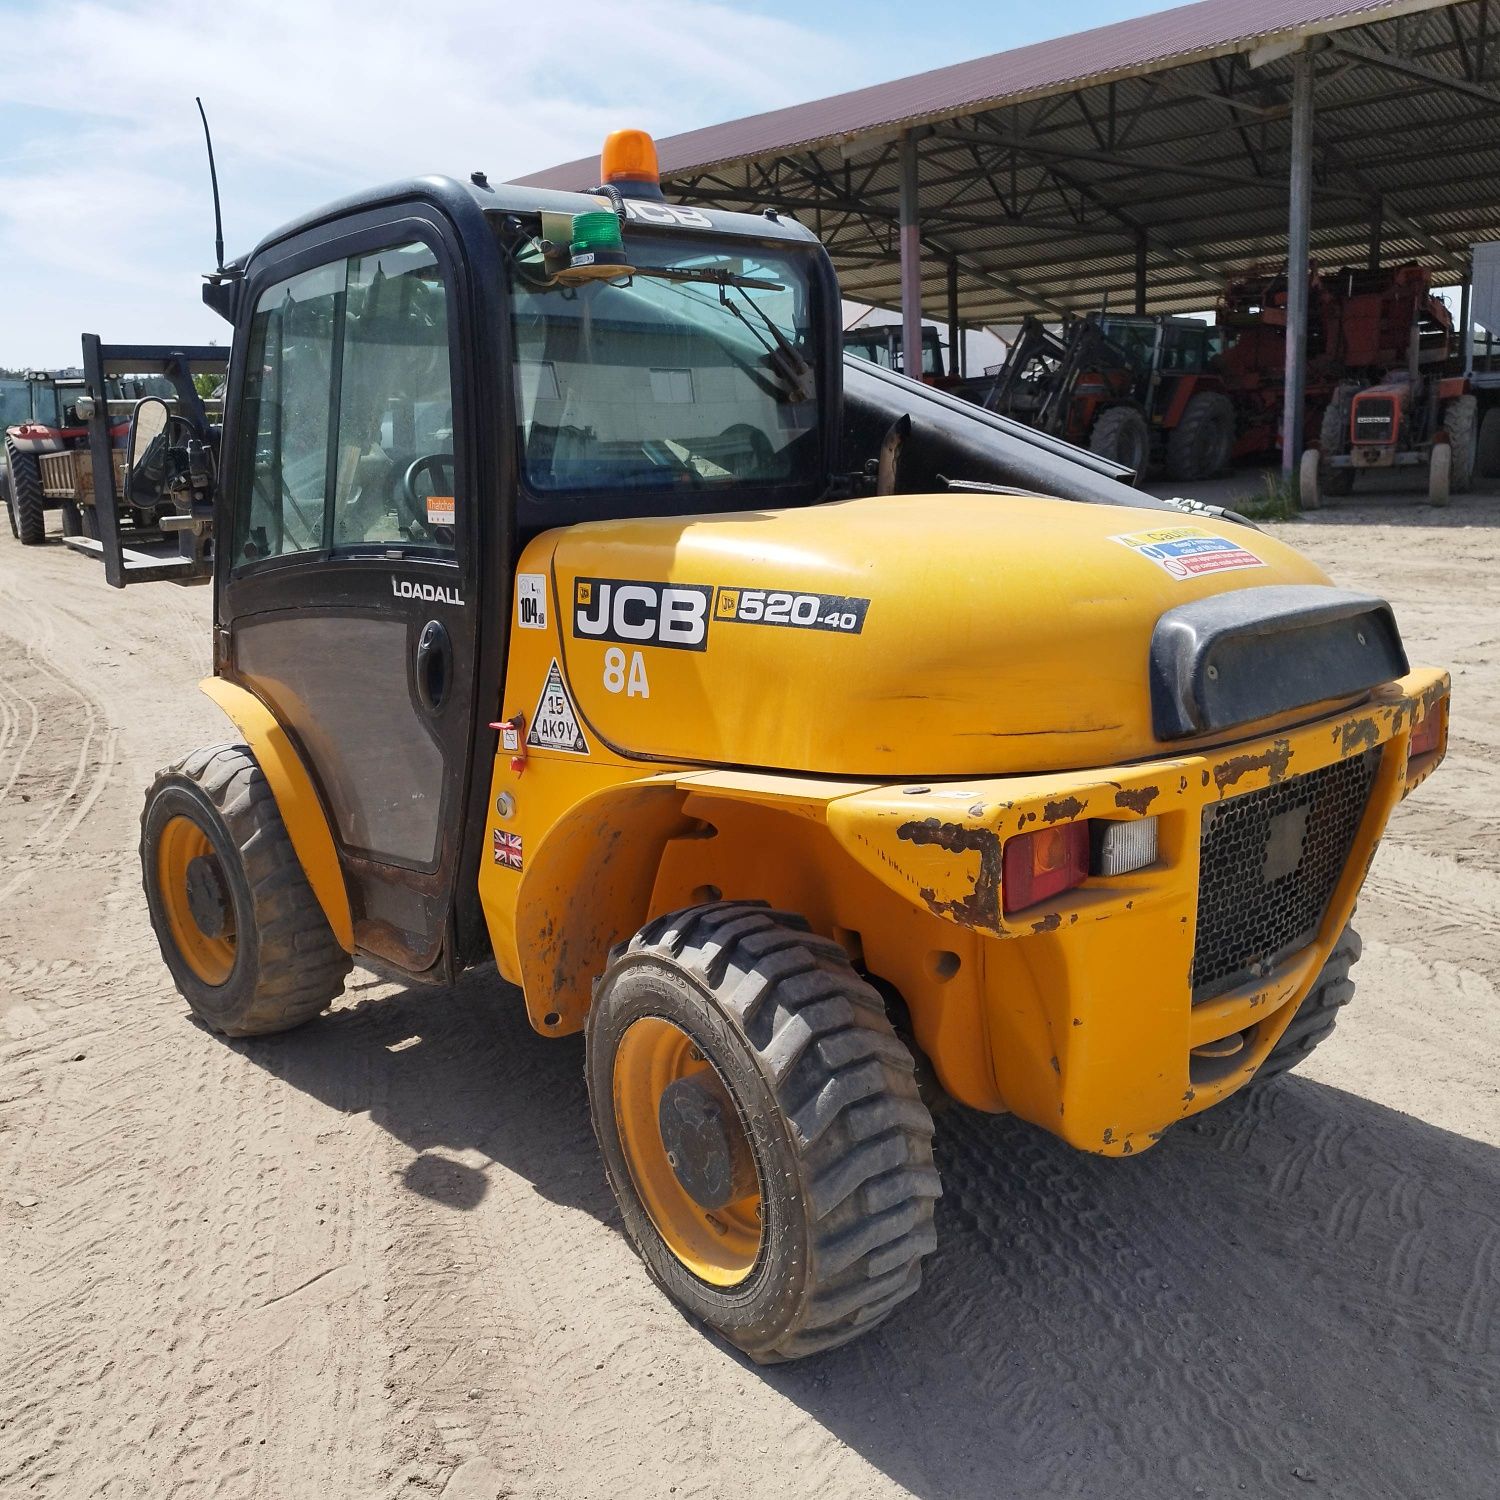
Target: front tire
x: 1122, y: 436
x: 239, y: 927
x: 761, y: 1128
x: 28, y: 506
x: 1310, y: 480
x: 1202, y: 444
x: 1439, y: 474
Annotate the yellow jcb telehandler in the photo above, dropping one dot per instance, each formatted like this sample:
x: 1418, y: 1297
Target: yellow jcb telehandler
x: 796, y: 732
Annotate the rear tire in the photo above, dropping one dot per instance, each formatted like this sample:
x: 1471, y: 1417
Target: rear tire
x: 1333, y: 439
x: 1202, y: 443
x: 28, y: 513
x: 1487, y: 450
x: 239, y: 927
x: 1318, y: 1013
x: 1461, y: 419
x: 1122, y: 436
x: 820, y: 1097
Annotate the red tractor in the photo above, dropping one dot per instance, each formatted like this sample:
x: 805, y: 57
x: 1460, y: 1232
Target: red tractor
x: 1400, y: 400
x: 1134, y: 389
x: 1380, y: 387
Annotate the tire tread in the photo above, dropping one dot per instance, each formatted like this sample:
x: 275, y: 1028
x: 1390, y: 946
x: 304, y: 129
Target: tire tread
x: 846, y: 1088
x: 301, y: 966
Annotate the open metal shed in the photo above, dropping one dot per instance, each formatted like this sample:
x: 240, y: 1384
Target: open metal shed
x: 1139, y: 164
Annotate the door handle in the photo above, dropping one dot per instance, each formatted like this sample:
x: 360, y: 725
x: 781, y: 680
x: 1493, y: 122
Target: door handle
x: 434, y: 665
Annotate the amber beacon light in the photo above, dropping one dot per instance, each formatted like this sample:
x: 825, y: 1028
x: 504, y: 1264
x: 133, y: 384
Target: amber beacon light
x: 629, y: 161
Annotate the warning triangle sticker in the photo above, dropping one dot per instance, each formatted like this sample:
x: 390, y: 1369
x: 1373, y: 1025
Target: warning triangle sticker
x: 554, y: 725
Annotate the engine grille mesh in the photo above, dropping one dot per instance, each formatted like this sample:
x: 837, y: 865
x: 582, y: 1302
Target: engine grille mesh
x: 1374, y: 419
x: 1269, y: 863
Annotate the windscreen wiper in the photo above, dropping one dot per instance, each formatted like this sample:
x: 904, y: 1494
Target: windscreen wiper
x: 715, y: 275
x: 795, y: 373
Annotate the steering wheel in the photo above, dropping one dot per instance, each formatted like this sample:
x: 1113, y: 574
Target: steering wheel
x: 762, y: 454
x: 439, y: 466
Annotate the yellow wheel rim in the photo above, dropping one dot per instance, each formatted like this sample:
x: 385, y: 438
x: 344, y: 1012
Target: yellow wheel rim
x: 718, y: 1245
x: 181, y: 842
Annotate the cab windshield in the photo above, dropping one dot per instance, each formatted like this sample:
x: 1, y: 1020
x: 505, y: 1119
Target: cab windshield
x: 688, y: 380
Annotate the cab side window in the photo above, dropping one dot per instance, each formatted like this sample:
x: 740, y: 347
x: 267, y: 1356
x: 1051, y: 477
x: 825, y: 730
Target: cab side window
x: 347, y: 411
x: 286, y: 414
x: 395, y: 475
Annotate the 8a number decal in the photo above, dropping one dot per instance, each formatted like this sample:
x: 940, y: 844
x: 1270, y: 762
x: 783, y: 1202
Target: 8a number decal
x: 617, y: 679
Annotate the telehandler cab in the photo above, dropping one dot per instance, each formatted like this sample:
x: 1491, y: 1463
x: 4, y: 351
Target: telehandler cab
x: 763, y: 719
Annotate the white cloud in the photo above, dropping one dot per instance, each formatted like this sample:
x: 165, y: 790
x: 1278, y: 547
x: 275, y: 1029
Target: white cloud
x: 105, y: 219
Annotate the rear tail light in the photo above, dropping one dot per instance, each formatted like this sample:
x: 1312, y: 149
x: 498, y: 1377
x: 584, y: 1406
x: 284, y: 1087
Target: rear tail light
x: 1043, y: 864
x: 1426, y: 736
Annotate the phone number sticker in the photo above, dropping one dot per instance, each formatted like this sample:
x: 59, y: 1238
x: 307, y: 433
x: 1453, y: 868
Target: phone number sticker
x: 1189, y: 551
x: 838, y: 612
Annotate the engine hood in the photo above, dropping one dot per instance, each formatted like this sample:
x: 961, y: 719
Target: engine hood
x: 900, y: 636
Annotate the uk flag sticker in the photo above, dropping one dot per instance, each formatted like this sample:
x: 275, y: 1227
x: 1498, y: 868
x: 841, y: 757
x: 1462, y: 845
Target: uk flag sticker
x: 507, y: 849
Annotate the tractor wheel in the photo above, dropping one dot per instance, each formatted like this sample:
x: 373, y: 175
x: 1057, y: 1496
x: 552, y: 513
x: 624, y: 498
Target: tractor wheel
x: 1439, y: 474
x: 1310, y: 480
x: 1461, y: 418
x: 1333, y: 438
x: 28, y: 515
x: 1122, y: 436
x: 1487, y: 450
x: 1201, y: 445
x: 239, y: 927
x: 761, y: 1128
x: 1319, y: 1010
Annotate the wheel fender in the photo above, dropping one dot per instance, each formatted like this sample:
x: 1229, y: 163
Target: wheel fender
x: 296, y: 800
x: 609, y: 845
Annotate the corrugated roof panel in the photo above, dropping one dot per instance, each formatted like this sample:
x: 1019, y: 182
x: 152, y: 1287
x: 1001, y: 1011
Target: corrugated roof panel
x: 1042, y: 202
x: 1167, y: 39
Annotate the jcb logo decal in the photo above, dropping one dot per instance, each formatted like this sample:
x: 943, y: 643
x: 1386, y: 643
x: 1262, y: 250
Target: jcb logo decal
x: 642, y: 614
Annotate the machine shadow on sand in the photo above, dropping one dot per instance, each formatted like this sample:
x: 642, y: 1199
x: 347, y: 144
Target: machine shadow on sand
x: 1295, y: 1278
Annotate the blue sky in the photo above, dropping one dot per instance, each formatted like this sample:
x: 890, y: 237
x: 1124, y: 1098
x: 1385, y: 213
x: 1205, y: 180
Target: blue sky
x: 105, y: 216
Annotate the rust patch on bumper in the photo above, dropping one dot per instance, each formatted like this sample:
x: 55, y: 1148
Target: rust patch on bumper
x: 981, y: 908
x: 1360, y: 734
x: 1275, y: 761
x: 1064, y: 807
x: 1137, y: 801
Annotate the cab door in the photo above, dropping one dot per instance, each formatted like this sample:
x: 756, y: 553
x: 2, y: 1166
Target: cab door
x: 348, y: 581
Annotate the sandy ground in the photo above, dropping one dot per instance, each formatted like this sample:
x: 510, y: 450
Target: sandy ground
x: 377, y: 1257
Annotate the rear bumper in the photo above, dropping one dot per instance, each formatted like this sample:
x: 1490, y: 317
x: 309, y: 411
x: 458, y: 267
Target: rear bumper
x: 1088, y: 1007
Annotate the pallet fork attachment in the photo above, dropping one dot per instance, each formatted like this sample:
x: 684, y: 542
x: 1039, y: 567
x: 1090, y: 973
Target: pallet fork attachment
x: 192, y: 528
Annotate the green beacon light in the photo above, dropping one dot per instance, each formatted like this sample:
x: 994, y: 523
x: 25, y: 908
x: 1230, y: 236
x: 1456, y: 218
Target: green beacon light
x: 595, y: 241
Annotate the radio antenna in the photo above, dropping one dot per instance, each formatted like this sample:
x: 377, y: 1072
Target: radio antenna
x: 213, y: 176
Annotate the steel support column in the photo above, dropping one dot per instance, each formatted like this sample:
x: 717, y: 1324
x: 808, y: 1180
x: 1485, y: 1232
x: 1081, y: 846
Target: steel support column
x: 1466, y: 320
x: 1297, y: 255
x: 955, y: 333
x: 1377, y: 229
x: 911, y: 260
x: 1140, y: 272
